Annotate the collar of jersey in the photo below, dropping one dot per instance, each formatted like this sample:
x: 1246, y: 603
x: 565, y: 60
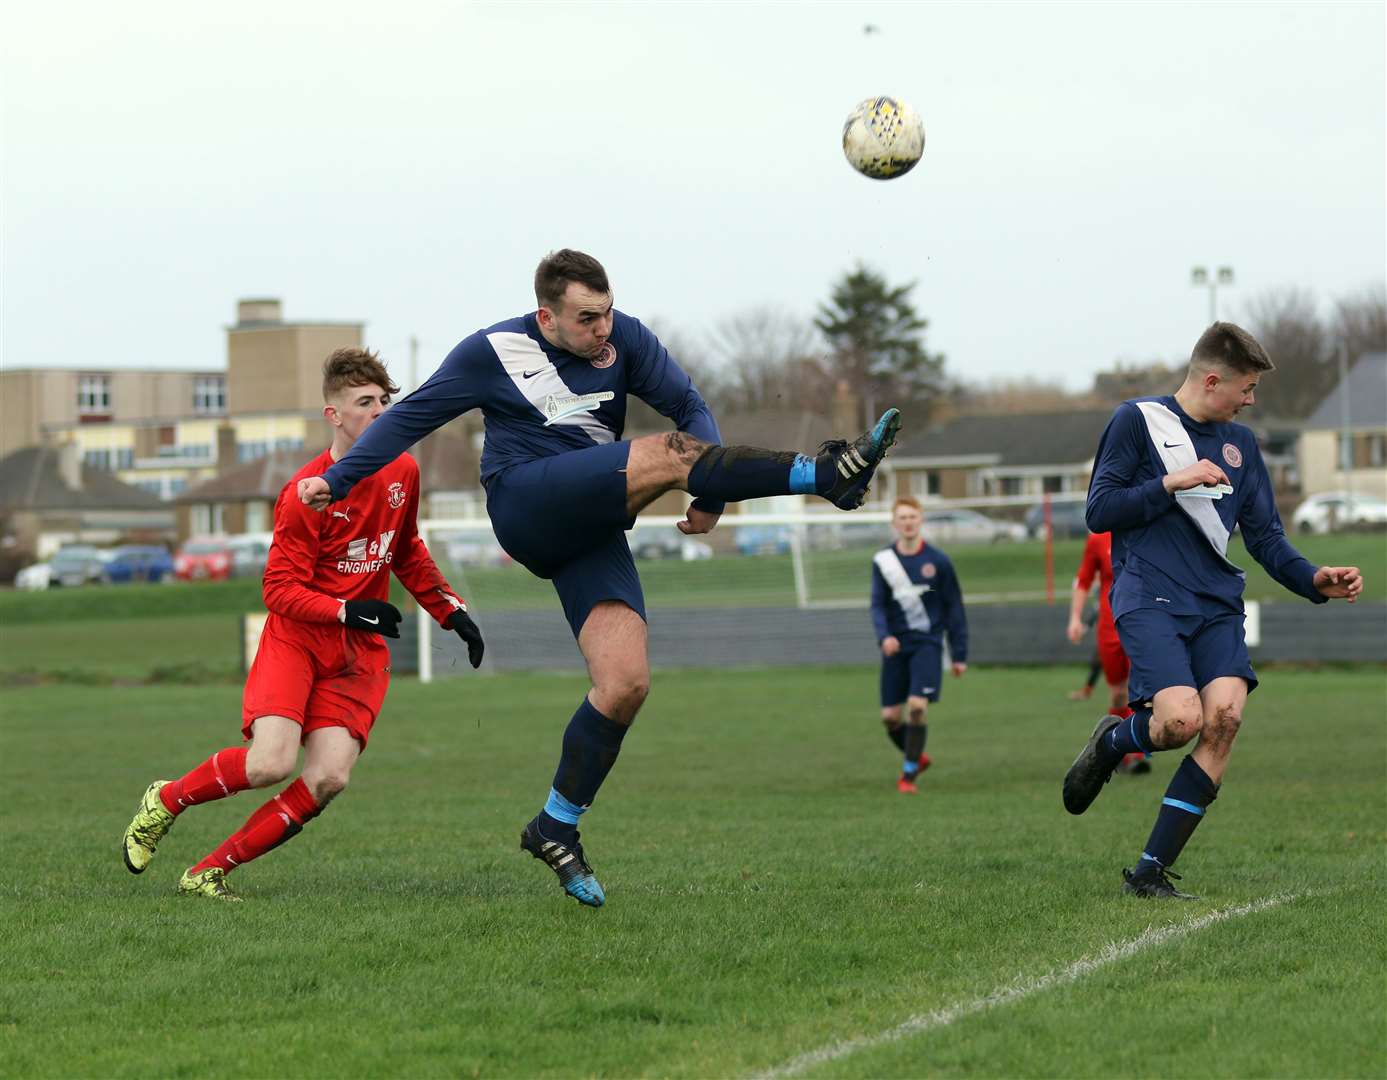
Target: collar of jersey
x: 1186, y: 419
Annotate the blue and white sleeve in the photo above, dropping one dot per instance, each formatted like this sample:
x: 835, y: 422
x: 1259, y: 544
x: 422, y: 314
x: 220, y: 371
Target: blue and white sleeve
x: 956, y: 619
x: 448, y: 393
x: 1113, y: 501
x: 1265, y: 537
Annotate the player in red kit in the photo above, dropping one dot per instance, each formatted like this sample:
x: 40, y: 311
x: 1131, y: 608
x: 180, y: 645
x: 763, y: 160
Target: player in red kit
x: 1097, y: 563
x: 321, y: 669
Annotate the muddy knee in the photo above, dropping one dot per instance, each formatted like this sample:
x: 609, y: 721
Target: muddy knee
x: 1179, y: 725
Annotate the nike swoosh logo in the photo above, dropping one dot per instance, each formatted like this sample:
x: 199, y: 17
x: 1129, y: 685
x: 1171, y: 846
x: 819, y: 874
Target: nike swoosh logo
x: 1168, y: 445
x: 371, y: 621
x: 530, y: 374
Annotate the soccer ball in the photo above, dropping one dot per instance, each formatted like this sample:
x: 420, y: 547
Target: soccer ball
x: 883, y: 138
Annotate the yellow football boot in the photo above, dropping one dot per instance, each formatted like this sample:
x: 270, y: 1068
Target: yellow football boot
x: 210, y: 882
x: 146, y: 829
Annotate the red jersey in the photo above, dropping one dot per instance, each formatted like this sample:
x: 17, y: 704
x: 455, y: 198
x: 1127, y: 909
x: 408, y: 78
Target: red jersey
x: 1097, y: 561
x: 346, y: 552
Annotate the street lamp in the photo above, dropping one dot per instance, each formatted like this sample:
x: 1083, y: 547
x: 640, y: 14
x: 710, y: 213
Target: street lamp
x: 1200, y: 276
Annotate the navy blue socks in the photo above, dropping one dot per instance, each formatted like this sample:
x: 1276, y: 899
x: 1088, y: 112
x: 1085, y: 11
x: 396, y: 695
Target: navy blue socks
x: 591, y: 744
x: 732, y: 473
x: 1188, y: 796
x: 897, y: 735
x: 1133, y: 735
x: 914, y: 746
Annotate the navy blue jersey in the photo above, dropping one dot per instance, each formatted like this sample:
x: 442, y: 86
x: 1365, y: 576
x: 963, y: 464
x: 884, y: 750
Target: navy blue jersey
x: 1171, y: 550
x: 917, y: 596
x: 536, y: 400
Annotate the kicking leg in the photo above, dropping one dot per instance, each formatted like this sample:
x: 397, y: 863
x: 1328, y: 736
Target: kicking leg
x: 613, y: 642
x: 840, y: 472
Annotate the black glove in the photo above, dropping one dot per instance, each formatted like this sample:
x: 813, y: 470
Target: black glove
x: 374, y: 616
x: 460, y: 623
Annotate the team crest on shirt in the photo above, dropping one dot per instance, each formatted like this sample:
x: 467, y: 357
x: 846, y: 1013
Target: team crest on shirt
x: 1233, y: 456
x: 395, y: 495
x: 606, y: 358
x: 928, y: 570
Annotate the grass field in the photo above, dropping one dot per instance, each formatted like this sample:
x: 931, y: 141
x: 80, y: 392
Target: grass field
x: 770, y: 894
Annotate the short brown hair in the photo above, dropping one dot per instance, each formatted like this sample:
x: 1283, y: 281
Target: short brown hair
x: 355, y: 367
x: 557, y: 269
x: 906, y: 500
x: 1232, y: 348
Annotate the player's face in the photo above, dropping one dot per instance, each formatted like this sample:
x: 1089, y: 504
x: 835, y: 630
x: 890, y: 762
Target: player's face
x: 906, y: 521
x: 581, y: 322
x: 354, y: 408
x: 1231, y: 394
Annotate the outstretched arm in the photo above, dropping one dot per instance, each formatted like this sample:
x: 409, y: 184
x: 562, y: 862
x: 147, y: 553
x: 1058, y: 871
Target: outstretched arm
x: 1265, y: 538
x: 448, y: 393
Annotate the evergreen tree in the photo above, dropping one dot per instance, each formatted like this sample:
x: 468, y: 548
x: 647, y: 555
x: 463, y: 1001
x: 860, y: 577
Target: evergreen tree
x: 876, y: 342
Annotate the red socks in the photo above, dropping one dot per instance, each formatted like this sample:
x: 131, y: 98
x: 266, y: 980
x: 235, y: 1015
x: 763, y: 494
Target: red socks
x: 280, y: 819
x: 222, y: 774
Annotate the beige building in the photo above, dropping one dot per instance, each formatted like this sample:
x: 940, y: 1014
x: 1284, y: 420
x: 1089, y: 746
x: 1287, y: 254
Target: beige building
x: 164, y: 431
x: 1343, y: 446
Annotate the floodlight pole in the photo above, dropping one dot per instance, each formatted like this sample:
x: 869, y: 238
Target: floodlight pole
x: 1200, y: 277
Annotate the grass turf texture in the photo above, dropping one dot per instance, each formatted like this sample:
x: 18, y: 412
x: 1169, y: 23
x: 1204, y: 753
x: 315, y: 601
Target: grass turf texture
x: 769, y: 891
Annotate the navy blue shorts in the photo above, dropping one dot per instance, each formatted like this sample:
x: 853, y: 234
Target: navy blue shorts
x: 916, y: 671
x: 1182, y: 650
x: 564, y: 518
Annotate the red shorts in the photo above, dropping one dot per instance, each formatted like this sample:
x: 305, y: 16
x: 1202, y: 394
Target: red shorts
x: 318, y: 676
x: 1115, y: 663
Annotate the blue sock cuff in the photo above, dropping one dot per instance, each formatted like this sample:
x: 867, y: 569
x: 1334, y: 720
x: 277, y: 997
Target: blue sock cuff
x: 1139, y: 723
x: 560, y: 809
x: 603, y: 730
x: 804, y: 476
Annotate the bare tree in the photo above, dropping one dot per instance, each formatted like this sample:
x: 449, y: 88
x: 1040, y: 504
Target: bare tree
x: 1288, y: 324
x: 1360, y: 321
x: 767, y: 359
x: 1028, y: 394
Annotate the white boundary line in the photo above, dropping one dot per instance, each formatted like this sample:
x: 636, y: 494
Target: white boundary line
x: 1022, y: 988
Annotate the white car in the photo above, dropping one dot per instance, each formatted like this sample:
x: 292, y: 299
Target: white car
x: 1338, y: 510
x: 34, y: 577
x: 960, y: 526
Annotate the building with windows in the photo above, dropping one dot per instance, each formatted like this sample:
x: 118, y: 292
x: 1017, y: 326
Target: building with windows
x: 1343, y: 446
x: 164, y: 431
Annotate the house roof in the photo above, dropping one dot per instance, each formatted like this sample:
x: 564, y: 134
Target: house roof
x: 31, y: 479
x: 1367, y: 397
x: 1019, y: 439
x: 446, y: 459
x: 771, y: 429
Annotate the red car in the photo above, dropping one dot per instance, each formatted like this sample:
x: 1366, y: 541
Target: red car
x: 203, y: 558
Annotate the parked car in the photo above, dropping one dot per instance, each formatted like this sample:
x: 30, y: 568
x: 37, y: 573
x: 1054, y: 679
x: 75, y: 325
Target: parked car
x: 1066, y: 520
x: 763, y: 539
x: 475, y: 549
x: 203, y: 558
x: 33, y: 577
x: 1338, y: 510
x: 137, y: 562
x: 249, y: 553
x: 76, y: 564
x: 960, y: 526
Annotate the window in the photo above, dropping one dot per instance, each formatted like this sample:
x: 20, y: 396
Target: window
x: 125, y: 458
x: 93, y: 395
x: 1053, y: 484
x: 209, y: 394
x: 250, y: 451
x: 206, y: 518
x: 288, y: 444
x: 1377, y: 450
x: 1012, y: 485
x: 97, y: 459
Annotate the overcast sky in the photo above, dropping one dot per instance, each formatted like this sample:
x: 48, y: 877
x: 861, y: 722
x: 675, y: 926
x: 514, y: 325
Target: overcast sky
x: 408, y: 163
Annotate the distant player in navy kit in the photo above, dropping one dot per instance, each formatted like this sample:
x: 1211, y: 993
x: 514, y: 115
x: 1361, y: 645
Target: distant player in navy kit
x: 916, y: 599
x: 562, y: 487
x: 1172, y: 478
